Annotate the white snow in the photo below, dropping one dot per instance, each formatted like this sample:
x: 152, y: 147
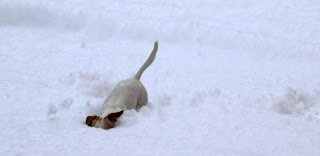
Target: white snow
x: 230, y: 77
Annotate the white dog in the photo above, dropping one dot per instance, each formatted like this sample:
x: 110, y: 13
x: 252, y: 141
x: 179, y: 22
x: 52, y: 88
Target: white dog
x: 127, y: 94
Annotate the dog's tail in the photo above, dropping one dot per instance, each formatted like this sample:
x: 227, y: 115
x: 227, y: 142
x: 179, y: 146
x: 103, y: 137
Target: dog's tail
x: 148, y: 62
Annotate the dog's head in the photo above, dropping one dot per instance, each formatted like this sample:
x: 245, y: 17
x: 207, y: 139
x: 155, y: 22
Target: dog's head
x: 91, y: 120
x: 108, y: 122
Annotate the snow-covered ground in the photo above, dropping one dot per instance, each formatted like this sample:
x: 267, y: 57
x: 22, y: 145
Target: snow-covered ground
x: 230, y: 78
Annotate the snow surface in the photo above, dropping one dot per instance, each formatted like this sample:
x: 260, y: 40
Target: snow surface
x: 230, y: 78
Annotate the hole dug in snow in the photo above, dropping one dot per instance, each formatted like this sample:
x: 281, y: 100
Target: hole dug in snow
x: 54, y: 108
x: 294, y: 102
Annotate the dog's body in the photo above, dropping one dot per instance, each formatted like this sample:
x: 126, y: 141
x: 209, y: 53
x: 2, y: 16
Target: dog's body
x: 127, y: 94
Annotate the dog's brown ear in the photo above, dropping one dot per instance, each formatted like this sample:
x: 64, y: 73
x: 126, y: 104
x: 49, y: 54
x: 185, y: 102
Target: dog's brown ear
x: 114, y: 116
x: 90, y: 119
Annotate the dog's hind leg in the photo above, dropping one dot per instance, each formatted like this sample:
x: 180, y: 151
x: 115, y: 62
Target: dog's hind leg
x: 143, y: 99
